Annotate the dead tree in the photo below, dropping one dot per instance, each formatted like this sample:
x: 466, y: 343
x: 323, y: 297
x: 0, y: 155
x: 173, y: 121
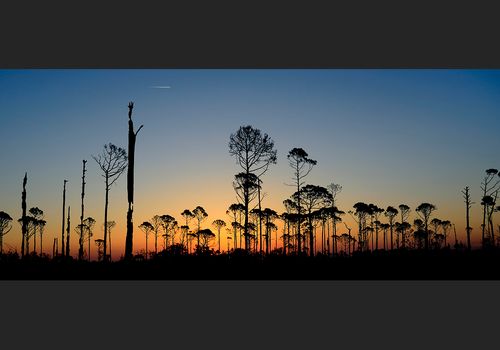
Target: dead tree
x: 130, y: 181
x: 82, y: 234
x: 67, y: 233
x: 468, y: 205
x: 23, y: 218
x: 63, y: 217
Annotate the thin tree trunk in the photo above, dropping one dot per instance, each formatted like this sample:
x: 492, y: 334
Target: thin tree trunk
x: 23, y: 206
x: 109, y: 237
x: 80, y: 250
x: 490, y: 220
x: 426, y: 236
x: 218, y: 238
x: 484, y: 217
x: 299, y: 241
x: 34, y: 238
x: 392, y: 246
x: 63, y: 217
x: 311, y: 237
x: 156, y: 242
x: 467, y: 218
x: 260, y: 221
x: 106, y: 201
x: 67, y: 233
x: 89, y: 242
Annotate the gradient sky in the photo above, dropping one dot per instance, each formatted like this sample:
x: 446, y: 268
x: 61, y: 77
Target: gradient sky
x: 387, y: 136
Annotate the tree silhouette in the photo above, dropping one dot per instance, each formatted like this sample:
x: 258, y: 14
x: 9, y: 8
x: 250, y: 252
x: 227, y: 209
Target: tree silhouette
x: 130, y: 181
x: 302, y: 166
x: 313, y: 198
x: 67, y: 233
x: 246, y: 187
x: 31, y: 225
x: 405, y: 214
x: 112, y: 161
x: 468, y: 205
x: 146, y: 227
x: 233, y: 211
x: 290, y: 208
x: 286, y: 230
x: 488, y: 187
x: 488, y: 202
x: 82, y: 225
x: 81, y: 231
x: 41, y: 225
x: 110, y: 226
x: 334, y: 189
x: 254, y: 152
x: 157, y: 222
x: 5, y: 227
x: 419, y: 235
x: 63, y: 217
x: 256, y: 218
x: 269, y: 216
x: 361, y: 213
x: 89, y: 226
x: 436, y: 224
x: 375, y: 213
x: 100, y: 251
x: 402, y: 229
x: 425, y: 210
x: 445, y: 226
x: 168, y: 224
x: 204, y: 236
x: 200, y: 215
x: 391, y: 213
x: 24, y: 221
x: 384, y: 228
x: 187, y: 215
x: 218, y: 224
x: 37, y: 215
x: 491, y: 210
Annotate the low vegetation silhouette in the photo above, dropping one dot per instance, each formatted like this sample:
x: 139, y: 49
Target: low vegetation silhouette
x: 307, y: 240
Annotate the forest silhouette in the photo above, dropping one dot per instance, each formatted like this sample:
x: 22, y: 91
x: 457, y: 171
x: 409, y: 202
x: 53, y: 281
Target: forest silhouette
x: 314, y: 242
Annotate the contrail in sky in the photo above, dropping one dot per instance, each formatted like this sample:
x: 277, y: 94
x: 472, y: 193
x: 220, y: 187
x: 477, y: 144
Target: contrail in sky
x: 160, y: 87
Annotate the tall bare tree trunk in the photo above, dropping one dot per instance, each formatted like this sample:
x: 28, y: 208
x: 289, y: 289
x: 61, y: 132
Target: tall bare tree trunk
x: 299, y: 218
x: 23, y: 206
x: 67, y: 233
x: 34, y: 237
x: 63, y: 217
x: 106, y: 201
x: 80, y: 249
x: 467, y: 217
x: 260, y: 220
x: 89, y: 246
x: 109, y: 238
x: 311, y: 237
x: 130, y: 182
x: 490, y: 220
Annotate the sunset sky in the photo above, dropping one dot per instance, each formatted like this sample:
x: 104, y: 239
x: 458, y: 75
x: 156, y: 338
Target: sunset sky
x: 387, y: 136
